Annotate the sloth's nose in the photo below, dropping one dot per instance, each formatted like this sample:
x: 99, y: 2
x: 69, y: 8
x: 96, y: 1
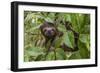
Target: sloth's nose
x: 49, y: 32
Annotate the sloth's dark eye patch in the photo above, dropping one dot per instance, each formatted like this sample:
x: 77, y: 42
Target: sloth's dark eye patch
x: 53, y: 29
x: 45, y: 30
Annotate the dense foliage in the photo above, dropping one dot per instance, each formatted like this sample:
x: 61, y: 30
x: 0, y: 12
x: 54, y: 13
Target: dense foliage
x: 34, y: 49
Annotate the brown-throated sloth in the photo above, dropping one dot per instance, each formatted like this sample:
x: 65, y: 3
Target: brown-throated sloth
x: 50, y: 32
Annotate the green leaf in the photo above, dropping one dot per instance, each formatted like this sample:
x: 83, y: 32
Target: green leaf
x: 26, y: 58
x: 85, y: 38
x: 39, y: 58
x: 49, y: 19
x: 29, y: 17
x: 61, y: 28
x: 35, y: 51
x: 57, y: 42
x: 33, y: 28
x: 74, y: 22
x: 60, y: 54
x: 67, y: 17
x: 84, y: 52
x: 83, y: 23
x: 50, y: 56
x: 75, y: 55
x: 68, y: 39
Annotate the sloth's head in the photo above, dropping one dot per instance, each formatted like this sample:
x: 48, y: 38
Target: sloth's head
x: 48, y: 30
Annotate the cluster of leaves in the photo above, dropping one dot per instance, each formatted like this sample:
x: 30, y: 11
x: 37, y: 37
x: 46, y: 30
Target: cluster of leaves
x: 34, y: 49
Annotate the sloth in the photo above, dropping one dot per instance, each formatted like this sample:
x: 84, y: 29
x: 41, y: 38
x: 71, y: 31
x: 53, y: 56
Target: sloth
x: 50, y: 32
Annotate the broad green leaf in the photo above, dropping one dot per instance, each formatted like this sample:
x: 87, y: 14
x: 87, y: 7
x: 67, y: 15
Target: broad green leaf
x: 60, y: 54
x: 50, y: 56
x: 75, y: 55
x: 68, y: 39
x: 61, y: 28
x: 29, y: 17
x: 34, y: 51
x: 26, y: 58
x: 74, y: 22
x: 49, y: 20
x: 85, y: 38
x: 84, y: 52
x: 57, y: 42
x: 68, y: 17
x: 39, y: 58
x: 34, y: 28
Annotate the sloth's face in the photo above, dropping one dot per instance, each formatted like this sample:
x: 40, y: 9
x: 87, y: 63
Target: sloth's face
x: 49, y: 31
